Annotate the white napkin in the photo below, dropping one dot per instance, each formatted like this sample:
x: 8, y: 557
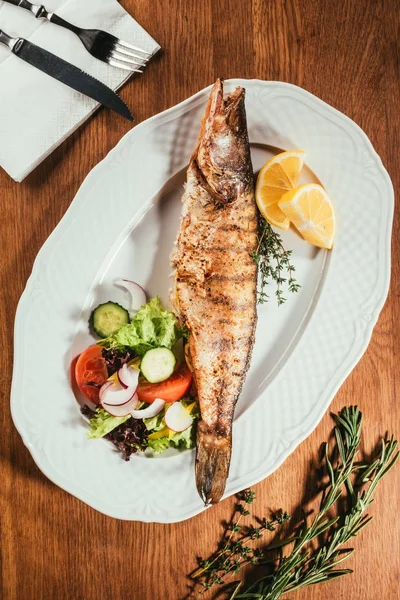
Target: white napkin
x: 37, y: 113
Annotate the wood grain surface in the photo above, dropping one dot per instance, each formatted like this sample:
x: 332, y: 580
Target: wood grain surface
x: 54, y: 547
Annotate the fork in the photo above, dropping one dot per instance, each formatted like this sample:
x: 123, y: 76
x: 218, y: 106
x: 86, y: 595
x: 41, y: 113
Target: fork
x: 100, y: 44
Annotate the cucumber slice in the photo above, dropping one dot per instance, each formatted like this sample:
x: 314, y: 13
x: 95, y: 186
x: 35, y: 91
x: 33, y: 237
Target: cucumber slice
x: 107, y: 318
x: 158, y: 364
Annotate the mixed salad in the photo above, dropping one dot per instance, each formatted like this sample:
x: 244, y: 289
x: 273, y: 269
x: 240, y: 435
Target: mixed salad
x: 135, y: 378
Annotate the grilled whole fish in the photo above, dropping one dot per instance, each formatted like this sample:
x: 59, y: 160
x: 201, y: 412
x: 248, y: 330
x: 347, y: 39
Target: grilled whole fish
x: 215, y: 278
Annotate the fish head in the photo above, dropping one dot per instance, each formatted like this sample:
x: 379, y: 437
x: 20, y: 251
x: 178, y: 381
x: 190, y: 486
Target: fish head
x: 222, y: 158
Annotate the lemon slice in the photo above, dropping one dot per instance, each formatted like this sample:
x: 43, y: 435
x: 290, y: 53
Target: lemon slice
x: 279, y: 174
x: 311, y: 211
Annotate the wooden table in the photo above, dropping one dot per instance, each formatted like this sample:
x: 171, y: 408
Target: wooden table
x: 54, y: 547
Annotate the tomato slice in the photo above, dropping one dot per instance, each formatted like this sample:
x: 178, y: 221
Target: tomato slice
x: 91, y: 373
x: 170, y: 390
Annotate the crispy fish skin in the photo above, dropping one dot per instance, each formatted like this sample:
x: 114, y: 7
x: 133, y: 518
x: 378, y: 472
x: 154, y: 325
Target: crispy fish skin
x: 216, y: 278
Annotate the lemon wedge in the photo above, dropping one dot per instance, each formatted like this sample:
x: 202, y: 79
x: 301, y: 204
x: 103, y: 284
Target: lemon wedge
x: 280, y: 174
x: 312, y: 212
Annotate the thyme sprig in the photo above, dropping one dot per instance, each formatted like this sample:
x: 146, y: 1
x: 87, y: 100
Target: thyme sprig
x: 273, y: 263
x: 352, y: 481
x: 234, y: 550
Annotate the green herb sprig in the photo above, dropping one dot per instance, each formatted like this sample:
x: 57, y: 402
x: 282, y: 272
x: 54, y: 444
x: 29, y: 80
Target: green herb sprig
x: 234, y: 551
x: 306, y: 564
x: 273, y: 263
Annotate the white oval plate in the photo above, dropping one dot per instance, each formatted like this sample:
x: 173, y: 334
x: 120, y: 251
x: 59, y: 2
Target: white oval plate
x: 123, y: 222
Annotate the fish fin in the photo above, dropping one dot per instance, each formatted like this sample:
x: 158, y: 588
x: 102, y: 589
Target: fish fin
x: 212, y: 463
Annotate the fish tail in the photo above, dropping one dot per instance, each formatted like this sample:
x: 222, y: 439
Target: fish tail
x: 212, y: 463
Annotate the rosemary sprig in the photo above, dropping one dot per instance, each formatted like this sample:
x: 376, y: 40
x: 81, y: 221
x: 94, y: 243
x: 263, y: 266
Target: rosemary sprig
x: 306, y: 565
x: 273, y: 262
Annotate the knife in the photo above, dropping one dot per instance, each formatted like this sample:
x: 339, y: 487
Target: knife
x: 65, y: 72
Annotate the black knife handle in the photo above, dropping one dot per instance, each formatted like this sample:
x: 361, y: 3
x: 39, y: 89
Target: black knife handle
x: 14, y: 44
x: 5, y: 39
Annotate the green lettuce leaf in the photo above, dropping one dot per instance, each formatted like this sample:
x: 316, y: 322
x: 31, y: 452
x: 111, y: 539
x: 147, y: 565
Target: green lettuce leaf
x: 102, y: 423
x: 155, y: 423
x: 184, y: 439
x: 159, y: 445
x: 151, y: 327
x: 195, y: 412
